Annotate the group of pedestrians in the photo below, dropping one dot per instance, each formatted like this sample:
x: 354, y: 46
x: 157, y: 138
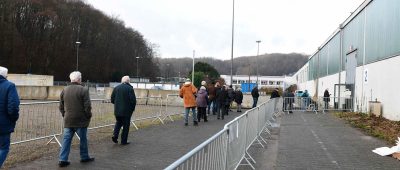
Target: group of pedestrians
x: 209, y: 99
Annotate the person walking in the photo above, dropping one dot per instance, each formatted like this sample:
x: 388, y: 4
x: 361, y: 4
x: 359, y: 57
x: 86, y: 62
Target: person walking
x: 124, y: 99
x: 75, y: 108
x: 326, y: 98
x: 216, y: 106
x: 187, y: 92
x: 239, y: 99
x: 231, y: 97
x: 201, y: 101
x: 306, y: 99
x: 255, y: 95
x: 211, y: 89
x: 222, y: 98
x: 9, y: 113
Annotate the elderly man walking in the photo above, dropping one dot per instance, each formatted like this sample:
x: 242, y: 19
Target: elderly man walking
x: 9, y: 108
x: 187, y: 92
x: 124, y: 99
x: 76, y: 108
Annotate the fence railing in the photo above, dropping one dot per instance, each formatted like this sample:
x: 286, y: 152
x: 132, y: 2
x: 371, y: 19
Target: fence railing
x: 323, y: 104
x: 229, y: 147
x: 43, y: 120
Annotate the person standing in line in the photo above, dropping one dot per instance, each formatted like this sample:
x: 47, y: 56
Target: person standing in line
x: 76, y: 109
x: 216, y: 107
x: 9, y: 113
x: 201, y: 101
x: 326, y: 98
x: 187, y: 92
x: 290, y: 98
x: 239, y: 99
x: 275, y: 93
x: 222, y: 101
x: 306, y: 99
x: 231, y: 97
x: 124, y: 99
x: 211, y: 97
x: 255, y: 95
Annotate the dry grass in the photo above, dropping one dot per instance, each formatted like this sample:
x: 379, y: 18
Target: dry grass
x: 375, y: 126
x: 26, y: 152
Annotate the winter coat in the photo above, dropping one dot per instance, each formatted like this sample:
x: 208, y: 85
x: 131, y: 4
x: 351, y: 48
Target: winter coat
x: 9, y: 106
x: 202, y: 98
x: 212, y: 92
x: 75, y: 106
x: 255, y: 93
x: 231, y: 94
x: 326, y: 96
x: 275, y: 94
x: 124, y: 99
x: 187, y: 92
x: 223, y: 97
x: 239, y: 97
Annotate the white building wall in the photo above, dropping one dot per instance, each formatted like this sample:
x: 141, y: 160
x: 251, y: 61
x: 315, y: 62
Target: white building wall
x: 379, y: 83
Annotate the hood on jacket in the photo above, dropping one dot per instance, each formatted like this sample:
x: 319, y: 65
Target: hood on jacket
x: 187, y: 84
x: 2, y: 78
x: 201, y: 91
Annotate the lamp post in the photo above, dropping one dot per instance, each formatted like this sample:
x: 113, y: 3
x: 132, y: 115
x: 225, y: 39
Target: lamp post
x: 77, y: 55
x: 258, y: 50
x: 137, y: 67
x: 233, y: 26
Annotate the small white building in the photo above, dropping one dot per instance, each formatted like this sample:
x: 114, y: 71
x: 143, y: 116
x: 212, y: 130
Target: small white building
x: 263, y: 81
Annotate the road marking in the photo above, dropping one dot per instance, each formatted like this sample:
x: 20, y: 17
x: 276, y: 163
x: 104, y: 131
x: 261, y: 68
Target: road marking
x: 330, y: 157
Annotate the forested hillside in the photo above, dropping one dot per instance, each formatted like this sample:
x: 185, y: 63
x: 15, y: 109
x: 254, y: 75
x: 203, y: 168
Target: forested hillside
x: 39, y: 37
x: 275, y: 64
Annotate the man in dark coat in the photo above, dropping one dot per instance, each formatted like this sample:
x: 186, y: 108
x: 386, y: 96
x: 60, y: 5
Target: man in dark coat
x: 75, y: 107
x: 223, y: 101
x: 216, y: 104
x: 275, y: 93
x: 239, y: 99
x: 326, y: 98
x: 255, y: 95
x: 9, y: 113
x: 124, y: 99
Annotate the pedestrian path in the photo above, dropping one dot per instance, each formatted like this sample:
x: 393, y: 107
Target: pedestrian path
x: 306, y: 140
x: 151, y: 148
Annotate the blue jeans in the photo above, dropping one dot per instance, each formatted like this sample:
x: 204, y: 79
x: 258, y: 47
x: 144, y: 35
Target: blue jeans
x: 187, y: 109
x: 4, y: 147
x: 255, y: 99
x: 66, y: 145
x: 215, y: 107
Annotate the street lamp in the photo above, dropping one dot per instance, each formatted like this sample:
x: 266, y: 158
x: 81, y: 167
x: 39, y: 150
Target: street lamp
x: 77, y: 55
x: 233, y: 26
x: 258, y: 50
x: 137, y: 67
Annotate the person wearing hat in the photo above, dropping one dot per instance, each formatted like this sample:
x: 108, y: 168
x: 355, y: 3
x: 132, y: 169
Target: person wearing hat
x: 239, y: 99
x: 9, y: 113
x: 202, y: 100
x: 188, y: 92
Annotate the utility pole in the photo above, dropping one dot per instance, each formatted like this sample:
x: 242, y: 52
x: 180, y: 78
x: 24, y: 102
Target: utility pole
x: 258, y: 50
x: 233, y: 28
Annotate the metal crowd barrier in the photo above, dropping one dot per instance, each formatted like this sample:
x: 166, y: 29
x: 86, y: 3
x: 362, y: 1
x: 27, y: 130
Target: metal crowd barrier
x: 43, y: 120
x: 173, y: 106
x: 323, y: 104
x: 228, y: 149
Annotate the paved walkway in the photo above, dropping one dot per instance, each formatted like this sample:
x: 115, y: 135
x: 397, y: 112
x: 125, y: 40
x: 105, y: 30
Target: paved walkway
x: 151, y: 148
x: 309, y: 141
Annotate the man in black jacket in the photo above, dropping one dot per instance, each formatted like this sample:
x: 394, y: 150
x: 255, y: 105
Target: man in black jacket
x: 255, y: 95
x: 275, y: 93
x: 124, y: 99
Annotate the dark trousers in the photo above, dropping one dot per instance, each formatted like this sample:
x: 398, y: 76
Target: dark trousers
x: 125, y: 122
x: 201, y: 113
x: 221, y: 111
x: 4, y: 147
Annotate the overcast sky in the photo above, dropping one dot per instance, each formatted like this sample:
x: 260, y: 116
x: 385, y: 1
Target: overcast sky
x: 181, y: 26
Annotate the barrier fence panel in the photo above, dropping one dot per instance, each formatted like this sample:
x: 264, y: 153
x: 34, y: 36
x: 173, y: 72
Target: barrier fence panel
x: 102, y: 114
x: 173, y: 106
x: 323, y: 104
x: 38, y: 120
x: 147, y: 108
x: 237, y: 141
x: 210, y: 155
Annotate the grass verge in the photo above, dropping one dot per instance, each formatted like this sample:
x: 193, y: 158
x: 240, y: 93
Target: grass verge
x: 374, y: 126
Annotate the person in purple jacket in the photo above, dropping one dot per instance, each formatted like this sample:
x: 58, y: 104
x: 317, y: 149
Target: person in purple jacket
x: 201, y: 101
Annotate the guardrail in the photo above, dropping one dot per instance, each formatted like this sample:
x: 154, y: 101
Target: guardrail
x: 229, y: 147
x: 323, y: 104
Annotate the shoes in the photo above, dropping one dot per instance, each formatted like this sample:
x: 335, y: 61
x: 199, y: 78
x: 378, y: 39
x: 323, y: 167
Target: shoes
x: 114, y: 139
x: 87, y: 160
x: 218, y: 118
x: 63, y: 163
x: 205, y: 120
x: 290, y: 112
x: 195, y: 123
x: 126, y: 143
x: 186, y: 124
